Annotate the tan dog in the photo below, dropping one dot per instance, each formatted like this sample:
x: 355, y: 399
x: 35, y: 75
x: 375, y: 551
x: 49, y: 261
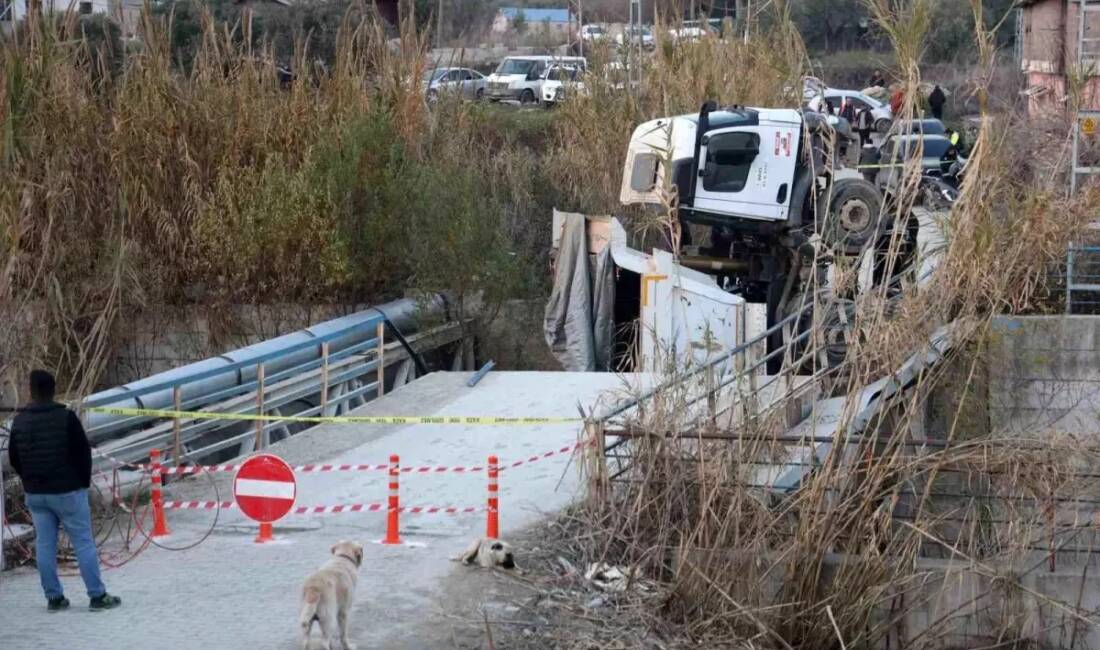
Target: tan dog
x: 328, y: 594
x: 488, y: 553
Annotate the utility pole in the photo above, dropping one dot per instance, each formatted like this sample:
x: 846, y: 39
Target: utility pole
x: 576, y: 8
x: 439, y: 25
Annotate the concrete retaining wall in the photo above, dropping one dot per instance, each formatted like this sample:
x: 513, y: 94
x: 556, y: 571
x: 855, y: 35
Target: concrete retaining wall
x: 1044, y: 374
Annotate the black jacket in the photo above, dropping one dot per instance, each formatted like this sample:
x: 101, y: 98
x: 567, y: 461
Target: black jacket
x: 937, y: 99
x: 49, y: 450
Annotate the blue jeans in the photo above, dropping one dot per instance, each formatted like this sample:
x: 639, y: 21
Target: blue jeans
x: 70, y: 510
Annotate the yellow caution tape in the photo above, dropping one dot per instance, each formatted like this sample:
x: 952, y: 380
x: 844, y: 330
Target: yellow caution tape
x: 342, y: 419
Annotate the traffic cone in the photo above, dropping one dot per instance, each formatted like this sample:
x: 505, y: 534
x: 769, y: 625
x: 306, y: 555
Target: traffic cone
x: 160, y: 524
x: 393, y: 535
x: 492, y: 524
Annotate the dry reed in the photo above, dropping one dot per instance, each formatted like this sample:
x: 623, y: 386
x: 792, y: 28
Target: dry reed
x: 849, y: 555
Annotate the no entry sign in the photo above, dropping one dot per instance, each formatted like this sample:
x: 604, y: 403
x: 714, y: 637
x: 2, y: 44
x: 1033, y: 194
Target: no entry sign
x: 265, y: 488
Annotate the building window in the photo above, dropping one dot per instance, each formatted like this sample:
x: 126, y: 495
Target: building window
x: 85, y: 7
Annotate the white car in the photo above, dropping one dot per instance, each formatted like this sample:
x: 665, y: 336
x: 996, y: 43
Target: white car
x: 630, y: 36
x: 593, y: 33
x: 884, y: 117
x: 692, y: 30
x: 520, y: 77
x: 559, y: 80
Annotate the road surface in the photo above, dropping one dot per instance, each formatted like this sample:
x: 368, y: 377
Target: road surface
x: 229, y: 592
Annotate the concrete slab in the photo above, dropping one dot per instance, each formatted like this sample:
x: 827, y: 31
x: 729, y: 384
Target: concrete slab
x: 228, y: 592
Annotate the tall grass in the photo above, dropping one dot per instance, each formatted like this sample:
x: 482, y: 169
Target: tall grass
x: 216, y: 184
x: 838, y: 560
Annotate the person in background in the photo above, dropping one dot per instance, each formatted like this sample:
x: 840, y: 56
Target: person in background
x: 936, y: 100
x: 897, y: 100
x: 828, y: 108
x: 848, y: 111
x: 865, y: 121
x: 877, y: 80
x: 49, y: 451
x: 956, y: 139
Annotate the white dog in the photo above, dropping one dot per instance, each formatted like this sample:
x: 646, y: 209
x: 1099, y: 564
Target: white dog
x: 328, y: 594
x: 489, y: 553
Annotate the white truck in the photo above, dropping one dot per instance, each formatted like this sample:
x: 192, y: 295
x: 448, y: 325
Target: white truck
x: 781, y: 212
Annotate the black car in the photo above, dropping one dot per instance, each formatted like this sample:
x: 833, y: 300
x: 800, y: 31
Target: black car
x: 938, y: 157
x: 929, y: 126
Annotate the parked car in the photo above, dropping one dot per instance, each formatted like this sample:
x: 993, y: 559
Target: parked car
x: 939, y: 158
x: 929, y: 126
x: 469, y: 83
x: 559, y: 80
x: 631, y: 35
x: 691, y: 30
x: 880, y: 111
x: 520, y: 77
x: 593, y: 33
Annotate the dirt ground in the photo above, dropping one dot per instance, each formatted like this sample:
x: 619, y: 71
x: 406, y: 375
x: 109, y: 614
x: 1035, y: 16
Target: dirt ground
x: 548, y: 603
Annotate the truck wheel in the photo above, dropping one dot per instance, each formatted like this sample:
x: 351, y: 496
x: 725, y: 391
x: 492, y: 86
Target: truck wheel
x: 528, y: 97
x: 854, y: 215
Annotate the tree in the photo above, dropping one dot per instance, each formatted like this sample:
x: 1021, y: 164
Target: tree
x: 831, y: 25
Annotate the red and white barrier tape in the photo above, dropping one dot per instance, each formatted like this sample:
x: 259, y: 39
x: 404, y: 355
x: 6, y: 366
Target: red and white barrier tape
x: 430, y: 469
x: 321, y: 510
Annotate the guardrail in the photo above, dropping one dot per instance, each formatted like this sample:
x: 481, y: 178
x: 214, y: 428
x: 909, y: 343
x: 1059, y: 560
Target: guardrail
x: 738, y: 367
x: 331, y: 384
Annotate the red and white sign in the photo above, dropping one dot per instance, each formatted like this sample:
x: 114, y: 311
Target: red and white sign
x: 265, y: 488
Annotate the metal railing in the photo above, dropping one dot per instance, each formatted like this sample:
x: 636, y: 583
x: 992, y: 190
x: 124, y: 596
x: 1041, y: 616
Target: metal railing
x: 1083, y: 279
x: 328, y: 384
x: 738, y: 367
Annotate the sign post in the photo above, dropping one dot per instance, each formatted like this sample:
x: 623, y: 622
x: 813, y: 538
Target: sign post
x: 265, y: 490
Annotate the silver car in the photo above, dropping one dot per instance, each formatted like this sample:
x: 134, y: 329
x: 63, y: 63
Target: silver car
x: 470, y: 84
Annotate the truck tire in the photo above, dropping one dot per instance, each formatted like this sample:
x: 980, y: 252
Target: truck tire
x: 528, y: 97
x: 855, y: 216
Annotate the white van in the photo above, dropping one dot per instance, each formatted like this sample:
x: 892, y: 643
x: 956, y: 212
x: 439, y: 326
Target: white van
x: 520, y: 77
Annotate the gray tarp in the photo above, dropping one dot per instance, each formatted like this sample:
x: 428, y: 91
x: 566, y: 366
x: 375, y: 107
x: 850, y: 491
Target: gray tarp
x: 580, y: 320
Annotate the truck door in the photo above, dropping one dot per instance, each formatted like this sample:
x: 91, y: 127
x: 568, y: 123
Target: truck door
x: 747, y: 171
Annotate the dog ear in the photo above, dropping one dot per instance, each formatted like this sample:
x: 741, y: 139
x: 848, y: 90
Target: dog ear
x: 469, y: 556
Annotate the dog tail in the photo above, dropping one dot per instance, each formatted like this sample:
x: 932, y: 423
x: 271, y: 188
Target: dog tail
x: 311, y: 597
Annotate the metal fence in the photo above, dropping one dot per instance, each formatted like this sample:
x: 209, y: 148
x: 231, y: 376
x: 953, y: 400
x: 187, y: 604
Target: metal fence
x: 1082, y: 280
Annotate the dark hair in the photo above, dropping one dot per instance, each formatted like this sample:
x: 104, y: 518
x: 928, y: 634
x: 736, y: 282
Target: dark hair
x: 42, y: 385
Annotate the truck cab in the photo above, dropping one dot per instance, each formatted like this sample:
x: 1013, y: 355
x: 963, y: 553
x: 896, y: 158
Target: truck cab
x: 748, y: 170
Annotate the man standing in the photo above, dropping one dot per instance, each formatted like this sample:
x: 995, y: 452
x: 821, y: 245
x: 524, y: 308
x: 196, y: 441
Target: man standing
x: 49, y: 451
x: 936, y: 100
x: 865, y: 121
x: 877, y: 80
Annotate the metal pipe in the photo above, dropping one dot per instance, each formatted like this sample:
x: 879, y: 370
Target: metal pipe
x: 216, y: 378
x: 704, y: 263
x: 480, y: 374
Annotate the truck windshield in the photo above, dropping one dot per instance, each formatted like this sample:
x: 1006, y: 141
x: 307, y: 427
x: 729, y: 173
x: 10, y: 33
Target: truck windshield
x: 515, y: 66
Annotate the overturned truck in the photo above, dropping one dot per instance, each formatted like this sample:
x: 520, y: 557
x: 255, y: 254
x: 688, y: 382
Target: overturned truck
x: 769, y: 230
